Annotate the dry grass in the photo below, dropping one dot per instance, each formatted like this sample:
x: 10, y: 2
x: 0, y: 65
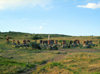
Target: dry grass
x: 74, y: 63
x: 67, y: 61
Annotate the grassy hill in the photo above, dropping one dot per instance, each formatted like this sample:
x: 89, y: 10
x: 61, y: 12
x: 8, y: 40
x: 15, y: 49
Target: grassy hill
x: 19, y: 35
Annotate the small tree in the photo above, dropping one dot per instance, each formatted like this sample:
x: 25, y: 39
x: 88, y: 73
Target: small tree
x: 37, y: 37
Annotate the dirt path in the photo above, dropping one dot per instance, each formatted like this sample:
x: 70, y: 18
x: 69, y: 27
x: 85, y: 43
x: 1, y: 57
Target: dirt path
x: 80, y: 50
x: 57, y: 58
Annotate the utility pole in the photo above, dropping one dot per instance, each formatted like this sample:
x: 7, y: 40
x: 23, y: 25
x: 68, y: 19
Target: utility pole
x: 48, y: 37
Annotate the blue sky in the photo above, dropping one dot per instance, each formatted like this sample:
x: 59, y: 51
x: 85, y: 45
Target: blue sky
x: 70, y: 17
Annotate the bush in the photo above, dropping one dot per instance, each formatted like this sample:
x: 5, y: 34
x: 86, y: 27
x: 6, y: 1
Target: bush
x: 36, y: 37
x: 35, y: 45
x: 54, y: 47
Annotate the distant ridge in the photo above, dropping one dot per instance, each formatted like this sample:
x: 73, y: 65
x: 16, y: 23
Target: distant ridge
x: 16, y: 34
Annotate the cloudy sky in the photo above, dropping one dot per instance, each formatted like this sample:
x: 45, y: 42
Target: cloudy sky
x: 70, y: 17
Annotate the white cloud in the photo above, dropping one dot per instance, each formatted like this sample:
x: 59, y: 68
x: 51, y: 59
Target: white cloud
x: 90, y: 5
x: 4, y: 4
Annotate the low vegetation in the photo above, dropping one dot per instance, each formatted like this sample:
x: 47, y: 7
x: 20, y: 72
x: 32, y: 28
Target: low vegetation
x: 61, y: 61
x: 74, y: 63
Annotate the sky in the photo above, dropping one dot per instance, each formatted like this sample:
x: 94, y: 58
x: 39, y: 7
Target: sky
x: 69, y: 17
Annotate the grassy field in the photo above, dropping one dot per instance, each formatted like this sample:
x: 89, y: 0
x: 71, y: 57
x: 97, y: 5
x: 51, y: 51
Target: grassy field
x: 67, y: 61
x: 62, y: 61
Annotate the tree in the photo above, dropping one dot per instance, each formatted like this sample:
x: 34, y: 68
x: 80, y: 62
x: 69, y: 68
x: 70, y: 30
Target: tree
x: 37, y: 37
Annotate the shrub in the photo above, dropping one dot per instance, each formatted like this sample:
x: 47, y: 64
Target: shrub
x: 37, y: 37
x: 35, y: 45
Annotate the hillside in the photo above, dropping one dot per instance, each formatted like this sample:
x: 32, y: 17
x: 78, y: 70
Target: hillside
x: 19, y: 35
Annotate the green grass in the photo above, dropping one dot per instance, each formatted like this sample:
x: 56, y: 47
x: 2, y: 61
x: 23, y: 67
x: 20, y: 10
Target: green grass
x: 74, y: 63
x: 67, y: 61
x: 8, y: 66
